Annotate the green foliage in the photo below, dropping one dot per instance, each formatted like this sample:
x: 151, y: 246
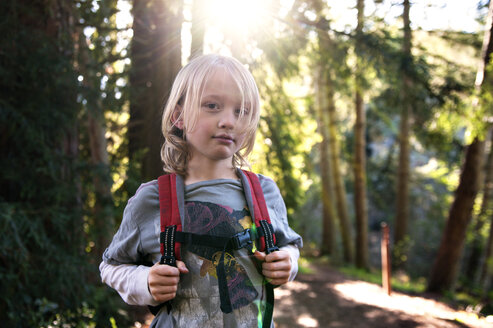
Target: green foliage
x: 47, y: 275
x: 41, y: 237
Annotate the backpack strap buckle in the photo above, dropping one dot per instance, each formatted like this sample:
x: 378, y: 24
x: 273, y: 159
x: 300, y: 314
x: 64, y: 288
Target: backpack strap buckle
x: 242, y: 239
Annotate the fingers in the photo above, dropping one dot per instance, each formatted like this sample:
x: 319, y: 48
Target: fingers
x: 277, y: 256
x: 181, y: 267
x: 276, y: 267
x: 272, y: 257
x: 164, y: 293
x: 164, y: 270
x: 259, y: 256
x: 163, y: 280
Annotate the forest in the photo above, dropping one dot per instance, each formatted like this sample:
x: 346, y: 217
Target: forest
x: 368, y: 118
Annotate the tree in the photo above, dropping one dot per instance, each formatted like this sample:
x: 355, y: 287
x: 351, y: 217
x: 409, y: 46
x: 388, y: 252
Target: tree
x: 328, y: 47
x: 402, y: 205
x: 328, y: 210
x: 359, y: 153
x: 446, y: 263
x: 40, y: 201
x: 473, y: 262
x: 198, y: 28
x: 156, y: 59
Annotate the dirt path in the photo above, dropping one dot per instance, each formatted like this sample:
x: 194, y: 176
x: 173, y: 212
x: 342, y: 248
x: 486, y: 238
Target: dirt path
x: 330, y: 299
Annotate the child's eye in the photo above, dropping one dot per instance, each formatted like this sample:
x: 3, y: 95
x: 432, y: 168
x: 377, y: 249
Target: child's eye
x: 244, y: 110
x: 211, y: 105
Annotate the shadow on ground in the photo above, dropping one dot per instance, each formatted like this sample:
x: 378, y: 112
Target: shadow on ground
x: 316, y: 300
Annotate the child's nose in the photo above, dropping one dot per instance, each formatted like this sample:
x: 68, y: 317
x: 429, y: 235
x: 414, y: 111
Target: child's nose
x: 228, y: 119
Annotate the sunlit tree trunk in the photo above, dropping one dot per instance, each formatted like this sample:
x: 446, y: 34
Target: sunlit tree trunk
x: 326, y: 45
x: 447, y: 261
x: 328, y: 211
x: 359, y: 154
x: 473, y: 262
x: 156, y: 59
x: 402, y: 204
x: 340, y: 190
x: 198, y: 28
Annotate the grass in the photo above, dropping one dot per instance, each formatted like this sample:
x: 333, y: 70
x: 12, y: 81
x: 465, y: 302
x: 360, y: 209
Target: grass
x: 400, y: 281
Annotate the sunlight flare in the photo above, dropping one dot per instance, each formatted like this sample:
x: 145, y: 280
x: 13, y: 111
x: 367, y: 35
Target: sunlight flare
x: 237, y: 15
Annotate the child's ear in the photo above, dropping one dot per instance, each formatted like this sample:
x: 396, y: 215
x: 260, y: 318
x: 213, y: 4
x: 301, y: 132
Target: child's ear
x: 176, y: 118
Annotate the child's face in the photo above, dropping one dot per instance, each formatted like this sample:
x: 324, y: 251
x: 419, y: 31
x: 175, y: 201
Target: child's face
x: 219, y: 131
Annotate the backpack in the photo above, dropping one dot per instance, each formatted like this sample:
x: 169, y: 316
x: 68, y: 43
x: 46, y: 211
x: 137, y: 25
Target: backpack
x: 172, y: 237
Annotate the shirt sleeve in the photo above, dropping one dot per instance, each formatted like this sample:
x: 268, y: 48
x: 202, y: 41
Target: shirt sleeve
x: 120, y: 268
x: 278, y: 214
x: 130, y: 281
x: 286, y: 238
x: 294, y: 254
x: 125, y: 247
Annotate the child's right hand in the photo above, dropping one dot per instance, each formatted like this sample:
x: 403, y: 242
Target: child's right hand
x: 163, y: 280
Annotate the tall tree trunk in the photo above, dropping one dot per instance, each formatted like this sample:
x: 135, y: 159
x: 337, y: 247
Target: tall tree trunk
x: 402, y: 203
x: 359, y: 154
x: 328, y: 211
x: 326, y: 45
x: 156, y: 59
x: 447, y: 260
x: 198, y: 28
x: 473, y: 262
x: 340, y: 190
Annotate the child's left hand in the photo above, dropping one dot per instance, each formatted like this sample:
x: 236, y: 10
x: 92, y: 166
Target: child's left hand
x: 276, y: 266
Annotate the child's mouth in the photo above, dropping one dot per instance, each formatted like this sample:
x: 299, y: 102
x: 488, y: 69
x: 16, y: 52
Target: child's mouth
x: 224, y: 138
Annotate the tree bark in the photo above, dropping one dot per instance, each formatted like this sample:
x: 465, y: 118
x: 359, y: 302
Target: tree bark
x: 473, y: 262
x: 447, y: 261
x: 156, y: 59
x: 340, y: 190
x: 328, y: 210
x: 325, y: 43
x: 359, y: 155
x: 402, y: 202
x: 198, y: 28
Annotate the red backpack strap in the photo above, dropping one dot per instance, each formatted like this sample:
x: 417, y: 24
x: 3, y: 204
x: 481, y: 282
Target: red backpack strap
x: 267, y: 238
x: 265, y: 230
x: 170, y: 219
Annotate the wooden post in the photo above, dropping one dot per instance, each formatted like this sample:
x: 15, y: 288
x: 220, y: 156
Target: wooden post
x: 385, y: 259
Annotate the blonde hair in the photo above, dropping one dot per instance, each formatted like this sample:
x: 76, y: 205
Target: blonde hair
x: 186, y: 93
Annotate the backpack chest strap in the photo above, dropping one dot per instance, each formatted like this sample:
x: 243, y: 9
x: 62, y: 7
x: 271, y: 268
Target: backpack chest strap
x: 238, y: 241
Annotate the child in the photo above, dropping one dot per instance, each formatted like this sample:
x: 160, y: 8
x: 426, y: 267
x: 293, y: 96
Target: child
x: 209, y: 125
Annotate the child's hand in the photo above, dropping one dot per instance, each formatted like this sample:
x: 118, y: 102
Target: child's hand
x: 163, y: 280
x: 276, y: 266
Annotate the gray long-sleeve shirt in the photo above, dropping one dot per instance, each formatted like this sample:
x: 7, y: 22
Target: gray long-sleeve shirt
x: 216, y: 207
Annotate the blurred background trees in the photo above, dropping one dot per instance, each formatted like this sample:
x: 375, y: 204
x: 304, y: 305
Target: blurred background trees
x: 367, y: 117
